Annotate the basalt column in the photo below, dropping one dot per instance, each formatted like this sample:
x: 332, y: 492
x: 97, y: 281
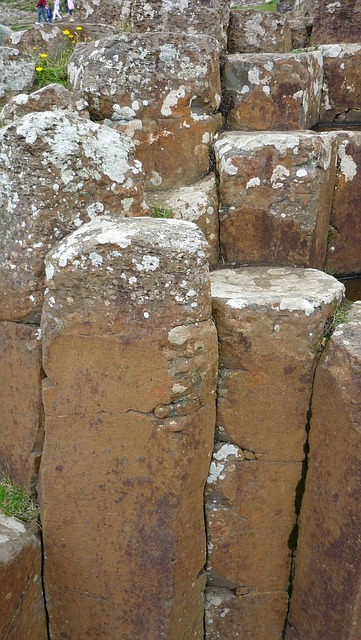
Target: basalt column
x: 270, y: 324
x: 130, y: 355
x: 327, y: 585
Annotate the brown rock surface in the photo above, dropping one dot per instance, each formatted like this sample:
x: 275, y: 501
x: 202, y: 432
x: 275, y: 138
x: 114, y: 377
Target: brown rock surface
x: 250, y: 514
x: 327, y: 585
x: 58, y: 170
x: 20, y: 401
x: 148, y: 76
x: 270, y: 322
x: 22, y: 613
x: 130, y: 353
x: 275, y: 196
x: 341, y: 93
x: 244, y: 617
x: 344, y: 246
x: 258, y: 31
x: 272, y: 91
x: 336, y: 22
x: 173, y: 152
x: 49, y: 98
x: 197, y: 203
x: 17, y: 72
x: 188, y: 16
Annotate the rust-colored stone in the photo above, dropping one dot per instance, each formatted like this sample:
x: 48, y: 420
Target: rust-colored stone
x: 336, y: 22
x: 49, y: 98
x: 327, y: 584
x: 130, y: 353
x: 270, y: 323
x: 275, y: 196
x: 265, y: 91
x: 165, y: 146
x: 341, y: 92
x: 22, y: 613
x: 20, y: 401
x: 344, y: 246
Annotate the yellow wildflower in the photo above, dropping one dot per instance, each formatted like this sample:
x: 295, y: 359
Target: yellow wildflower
x: 43, y: 55
x: 71, y: 35
x: 66, y: 32
x: 38, y: 68
x: 79, y: 28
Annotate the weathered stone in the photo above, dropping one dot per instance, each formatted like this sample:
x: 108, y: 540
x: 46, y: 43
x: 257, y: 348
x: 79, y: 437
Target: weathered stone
x: 197, y: 203
x: 307, y: 7
x: 250, y: 514
x: 189, y: 16
x: 17, y: 71
x: 49, y: 98
x: 115, y: 12
x: 341, y: 95
x: 258, y: 31
x: 130, y: 353
x: 4, y: 33
x: 58, y: 170
x: 148, y: 76
x: 20, y: 401
x: 344, y: 247
x: 249, y: 616
x: 270, y: 323
x: 22, y: 613
x: 301, y: 28
x: 327, y: 585
x: 52, y: 40
x: 276, y: 195
x: 272, y: 91
x: 165, y: 147
x: 336, y: 22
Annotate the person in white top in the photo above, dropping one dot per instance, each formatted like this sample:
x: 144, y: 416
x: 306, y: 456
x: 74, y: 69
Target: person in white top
x: 56, y: 13
x: 71, y: 9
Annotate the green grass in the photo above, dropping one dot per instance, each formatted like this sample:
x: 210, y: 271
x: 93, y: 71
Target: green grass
x: 161, y: 212
x: 339, y: 316
x: 15, y: 501
x: 271, y: 6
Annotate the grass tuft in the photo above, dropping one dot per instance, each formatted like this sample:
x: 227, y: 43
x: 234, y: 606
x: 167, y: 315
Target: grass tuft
x: 15, y: 501
x: 161, y: 212
x: 270, y: 6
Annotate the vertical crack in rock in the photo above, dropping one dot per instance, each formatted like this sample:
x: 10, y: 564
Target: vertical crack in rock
x: 43, y: 582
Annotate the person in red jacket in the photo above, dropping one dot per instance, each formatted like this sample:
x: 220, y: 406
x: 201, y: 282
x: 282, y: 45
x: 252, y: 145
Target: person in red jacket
x: 40, y: 6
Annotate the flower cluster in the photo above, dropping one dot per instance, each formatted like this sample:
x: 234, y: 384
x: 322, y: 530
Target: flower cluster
x: 53, y: 69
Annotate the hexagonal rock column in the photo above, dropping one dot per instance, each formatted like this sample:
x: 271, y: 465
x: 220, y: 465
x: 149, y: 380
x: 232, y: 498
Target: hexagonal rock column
x: 336, y: 22
x: 341, y: 92
x: 272, y: 91
x: 276, y: 195
x: 167, y: 87
x: 20, y: 401
x: 197, y: 203
x: 344, y: 246
x: 49, y: 98
x: 258, y: 31
x: 57, y: 170
x: 327, y: 585
x: 270, y: 323
x: 189, y: 16
x: 22, y: 613
x: 130, y: 353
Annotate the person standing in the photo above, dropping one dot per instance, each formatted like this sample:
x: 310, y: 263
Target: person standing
x: 71, y: 9
x: 56, y: 13
x: 41, y: 6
